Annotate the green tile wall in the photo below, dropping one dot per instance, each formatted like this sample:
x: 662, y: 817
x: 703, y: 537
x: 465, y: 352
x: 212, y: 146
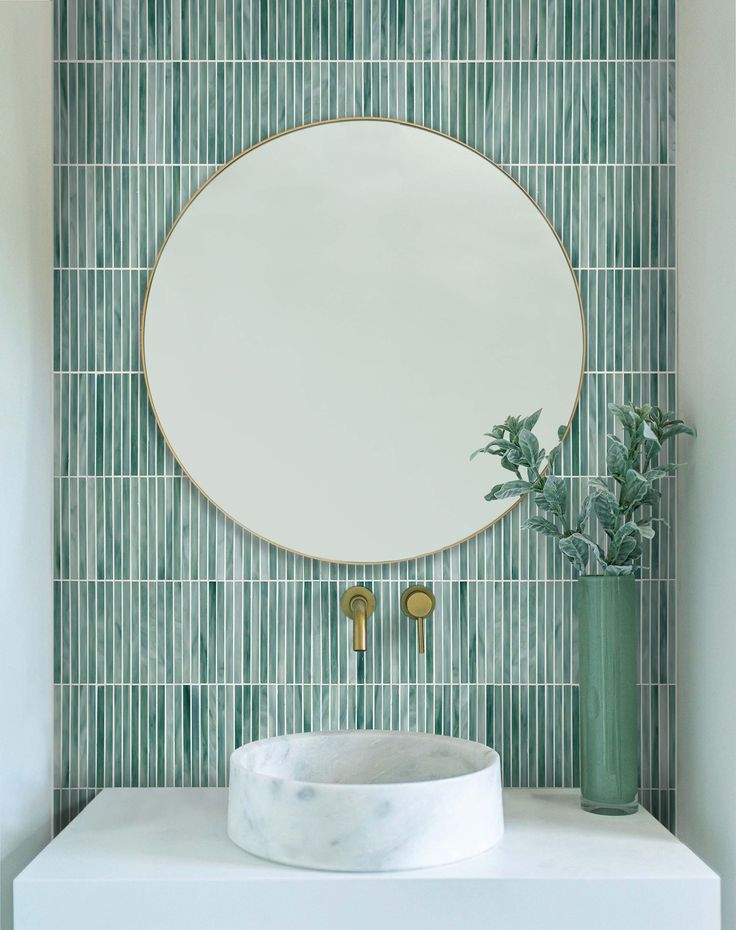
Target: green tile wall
x: 178, y: 635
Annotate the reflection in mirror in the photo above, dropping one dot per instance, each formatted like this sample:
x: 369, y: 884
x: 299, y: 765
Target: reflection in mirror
x: 334, y: 321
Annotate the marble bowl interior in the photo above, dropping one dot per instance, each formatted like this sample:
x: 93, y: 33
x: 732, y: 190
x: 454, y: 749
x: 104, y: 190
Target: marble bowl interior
x: 364, y: 757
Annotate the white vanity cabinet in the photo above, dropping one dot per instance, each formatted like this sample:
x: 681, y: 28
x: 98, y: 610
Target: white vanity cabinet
x: 160, y: 858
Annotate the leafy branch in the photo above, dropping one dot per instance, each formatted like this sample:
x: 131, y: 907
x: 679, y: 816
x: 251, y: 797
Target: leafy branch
x: 634, y: 472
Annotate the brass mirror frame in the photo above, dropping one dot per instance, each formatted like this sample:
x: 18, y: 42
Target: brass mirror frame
x: 252, y: 148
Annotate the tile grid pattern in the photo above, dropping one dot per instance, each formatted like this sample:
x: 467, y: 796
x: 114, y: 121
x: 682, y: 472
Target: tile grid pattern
x: 178, y: 635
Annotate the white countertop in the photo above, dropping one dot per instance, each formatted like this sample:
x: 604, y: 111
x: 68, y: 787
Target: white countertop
x: 160, y: 857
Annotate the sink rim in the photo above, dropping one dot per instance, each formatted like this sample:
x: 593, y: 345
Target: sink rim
x: 489, y: 758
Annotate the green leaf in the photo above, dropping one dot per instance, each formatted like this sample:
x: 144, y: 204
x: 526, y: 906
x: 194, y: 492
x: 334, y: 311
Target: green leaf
x: 625, y: 414
x: 628, y: 529
x: 529, y: 445
x: 649, y: 434
x: 555, y: 495
x: 635, y: 489
x: 531, y: 421
x: 652, y: 497
x: 554, y: 454
x: 600, y: 558
x: 628, y: 548
x: 540, y: 525
x: 617, y: 458
x: 619, y: 570
x: 511, y: 459
x: 500, y: 445
x: 592, y: 546
x: 561, y: 430
x: 576, y: 550
x: 494, y: 447
x: 661, y: 471
x: 624, y: 544
x: 678, y: 430
x: 584, y: 512
x: 637, y: 435
x: 508, y: 489
x: 607, y: 510
x: 645, y: 530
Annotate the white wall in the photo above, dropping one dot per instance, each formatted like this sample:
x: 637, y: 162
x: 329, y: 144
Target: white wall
x: 26, y: 697
x: 706, y: 158
x: 706, y: 116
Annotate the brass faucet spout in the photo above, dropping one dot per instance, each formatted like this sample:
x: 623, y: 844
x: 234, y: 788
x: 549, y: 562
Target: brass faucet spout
x: 358, y: 604
x: 359, y: 608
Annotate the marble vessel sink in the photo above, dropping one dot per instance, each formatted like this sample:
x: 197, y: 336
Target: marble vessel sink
x: 365, y: 800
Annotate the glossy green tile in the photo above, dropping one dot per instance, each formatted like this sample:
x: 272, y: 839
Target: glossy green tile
x: 179, y: 635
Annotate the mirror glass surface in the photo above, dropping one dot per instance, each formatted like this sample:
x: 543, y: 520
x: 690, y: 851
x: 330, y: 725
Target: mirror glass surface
x: 335, y: 320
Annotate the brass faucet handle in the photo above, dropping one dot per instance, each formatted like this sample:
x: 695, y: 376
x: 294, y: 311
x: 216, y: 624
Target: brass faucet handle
x: 358, y: 603
x: 418, y: 602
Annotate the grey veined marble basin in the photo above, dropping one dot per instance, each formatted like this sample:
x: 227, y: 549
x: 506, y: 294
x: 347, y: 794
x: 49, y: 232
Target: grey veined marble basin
x: 365, y: 800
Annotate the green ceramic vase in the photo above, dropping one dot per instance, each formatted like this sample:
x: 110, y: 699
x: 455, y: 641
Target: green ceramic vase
x: 607, y: 609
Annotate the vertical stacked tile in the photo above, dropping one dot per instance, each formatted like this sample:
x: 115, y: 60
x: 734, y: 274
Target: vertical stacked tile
x: 177, y: 634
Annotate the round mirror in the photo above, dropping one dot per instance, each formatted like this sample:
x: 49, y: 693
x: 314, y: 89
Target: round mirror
x: 334, y: 321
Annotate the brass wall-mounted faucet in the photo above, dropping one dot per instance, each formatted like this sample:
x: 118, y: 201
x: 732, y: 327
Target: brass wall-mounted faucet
x: 358, y: 604
x: 418, y: 602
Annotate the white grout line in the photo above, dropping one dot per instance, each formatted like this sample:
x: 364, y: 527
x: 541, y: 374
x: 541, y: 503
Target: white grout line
x: 332, y: 581
x: 147, y: 270
x: 449, y: 62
